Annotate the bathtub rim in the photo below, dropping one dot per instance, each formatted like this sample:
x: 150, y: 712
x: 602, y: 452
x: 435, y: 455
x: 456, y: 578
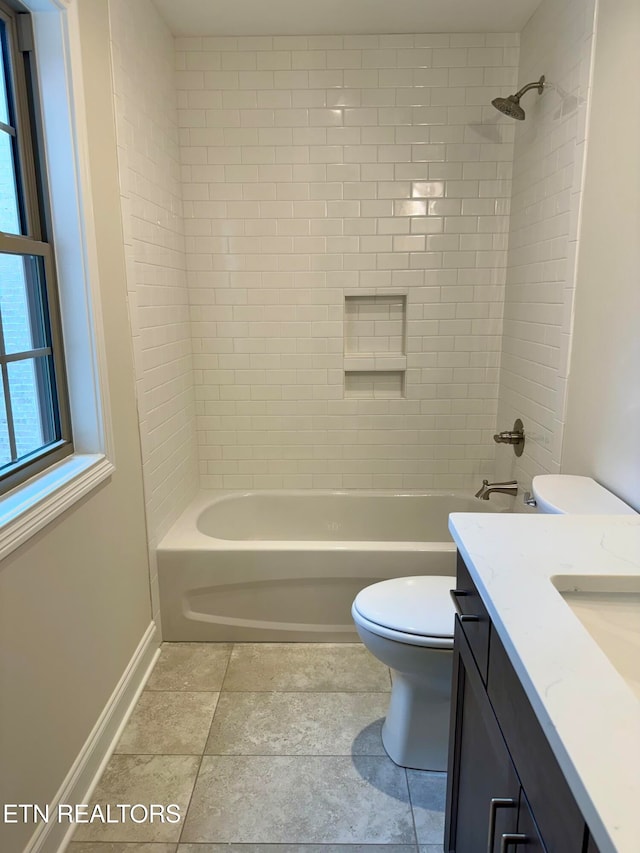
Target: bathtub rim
x: 184, y: 535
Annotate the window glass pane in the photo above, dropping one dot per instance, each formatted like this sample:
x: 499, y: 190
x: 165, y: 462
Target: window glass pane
x: 4, y: 108
x: 9, y: 215
x: 31, y: 403
x: 22, y: 303
x: 5, y: 447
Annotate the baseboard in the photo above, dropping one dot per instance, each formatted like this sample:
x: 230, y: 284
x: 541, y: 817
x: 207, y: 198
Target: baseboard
x: 88, y: 766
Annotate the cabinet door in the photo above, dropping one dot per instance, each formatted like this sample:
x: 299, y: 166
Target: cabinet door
x: 528, y: 828
x: 483, y: 788
x: 556, y: 811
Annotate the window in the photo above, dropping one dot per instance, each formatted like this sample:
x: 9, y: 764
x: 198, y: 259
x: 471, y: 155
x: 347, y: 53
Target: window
x: 35, y: 427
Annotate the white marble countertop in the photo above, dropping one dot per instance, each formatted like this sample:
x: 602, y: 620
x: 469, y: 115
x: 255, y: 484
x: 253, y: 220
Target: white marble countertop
x: 591, y: 716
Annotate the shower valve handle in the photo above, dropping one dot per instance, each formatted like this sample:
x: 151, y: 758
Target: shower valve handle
x: 508, y: 437
x: 514, y: 437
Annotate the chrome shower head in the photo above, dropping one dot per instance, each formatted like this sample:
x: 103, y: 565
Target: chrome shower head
x: 511, y: 106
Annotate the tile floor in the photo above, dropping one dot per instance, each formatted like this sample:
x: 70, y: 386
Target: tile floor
x: 266, y: 748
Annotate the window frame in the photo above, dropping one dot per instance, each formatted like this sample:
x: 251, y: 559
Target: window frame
x: 29, y: 507
x: 34, y: 241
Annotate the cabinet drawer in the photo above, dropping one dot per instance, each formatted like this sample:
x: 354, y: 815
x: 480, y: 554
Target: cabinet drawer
x: 477, y: 627
x: 556, y: 813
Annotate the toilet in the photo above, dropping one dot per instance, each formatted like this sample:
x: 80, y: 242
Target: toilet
x: 407, y: 623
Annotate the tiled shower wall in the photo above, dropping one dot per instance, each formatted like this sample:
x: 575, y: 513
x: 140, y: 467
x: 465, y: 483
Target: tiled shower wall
x: 547, y: 180
x: 151, y: 197
x: 320, y: 168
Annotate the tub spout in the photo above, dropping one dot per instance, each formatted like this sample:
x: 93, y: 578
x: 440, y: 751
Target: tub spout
x: 510, y: 487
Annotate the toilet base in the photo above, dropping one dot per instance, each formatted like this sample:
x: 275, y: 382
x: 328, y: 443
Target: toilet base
x: 415, y: 733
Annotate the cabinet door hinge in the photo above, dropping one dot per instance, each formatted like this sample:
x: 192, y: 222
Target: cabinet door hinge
x: 25, y: 33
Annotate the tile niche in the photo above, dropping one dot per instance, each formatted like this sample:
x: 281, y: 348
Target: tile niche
x: 375, y: 359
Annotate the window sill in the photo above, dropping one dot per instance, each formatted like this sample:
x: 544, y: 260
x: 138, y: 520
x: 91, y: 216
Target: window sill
x: 30, y: 507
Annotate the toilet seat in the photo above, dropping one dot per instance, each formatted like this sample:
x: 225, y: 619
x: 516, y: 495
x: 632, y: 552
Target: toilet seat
x: 413, y: 610
x: 399, y: 636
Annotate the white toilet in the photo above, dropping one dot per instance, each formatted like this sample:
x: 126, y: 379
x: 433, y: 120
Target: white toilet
x: 407, y: 623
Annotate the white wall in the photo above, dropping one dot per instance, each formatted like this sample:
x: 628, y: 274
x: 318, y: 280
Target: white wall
x: 74, y: 600
x: 151, y: 197
x: 321, y: 167
x: 603, y: 412
x: 543, y: 234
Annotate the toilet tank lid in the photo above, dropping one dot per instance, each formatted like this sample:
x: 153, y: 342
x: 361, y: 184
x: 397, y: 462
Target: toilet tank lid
x: 415, y: 605
x: 569, y: 493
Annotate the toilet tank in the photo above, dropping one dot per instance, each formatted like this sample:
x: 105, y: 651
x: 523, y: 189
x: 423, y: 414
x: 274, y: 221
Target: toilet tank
x: 568, y: 493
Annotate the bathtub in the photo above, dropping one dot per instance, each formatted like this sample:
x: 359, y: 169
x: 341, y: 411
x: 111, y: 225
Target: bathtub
x: 286, y: 566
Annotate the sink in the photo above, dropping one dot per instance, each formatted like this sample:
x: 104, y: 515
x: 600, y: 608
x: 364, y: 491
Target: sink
x: 609, y: 608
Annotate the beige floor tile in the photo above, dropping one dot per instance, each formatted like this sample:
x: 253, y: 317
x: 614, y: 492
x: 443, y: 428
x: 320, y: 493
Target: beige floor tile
x: 298, y: 724
x: 143, y: 779
x: 299, y: 800
x: 190, y: 666
x: 428, y: 795
x: 169, y: 724
x: 298, y: 667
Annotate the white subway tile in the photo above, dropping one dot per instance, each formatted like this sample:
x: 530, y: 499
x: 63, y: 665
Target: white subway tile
x: 291, y: 79
x: 401, y: 41
x: 449, y: 57
x: 390, y: 78
x: 239, y: 60
x: 190, y: 80
x: 274, y: 60
x: 324, y: 79
x: 410, y: 57
x: 344, y: 58
x: 309, y: 59
x: 342, y: 217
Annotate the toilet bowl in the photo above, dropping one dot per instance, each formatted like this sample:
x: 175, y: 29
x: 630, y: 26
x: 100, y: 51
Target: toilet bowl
x: 407, y: 623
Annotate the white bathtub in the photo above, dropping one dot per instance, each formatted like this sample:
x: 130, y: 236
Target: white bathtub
x: 286, y: 566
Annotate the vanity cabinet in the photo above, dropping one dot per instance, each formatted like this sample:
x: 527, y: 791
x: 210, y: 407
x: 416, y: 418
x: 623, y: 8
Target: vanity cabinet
x: 505, y: 789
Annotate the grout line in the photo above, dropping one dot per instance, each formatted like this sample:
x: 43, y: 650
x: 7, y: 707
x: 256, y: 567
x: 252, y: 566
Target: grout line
x: 202, y: 755
x: 268, y: 755
x: 413, y: 847
x: 413, y: 816
x: 315, y: 692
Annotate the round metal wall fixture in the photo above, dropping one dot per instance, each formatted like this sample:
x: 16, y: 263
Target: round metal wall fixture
x: 514, y: 437
x: 518, y: 427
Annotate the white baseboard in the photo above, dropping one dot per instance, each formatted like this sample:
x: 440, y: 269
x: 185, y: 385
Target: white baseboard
x: 88, y: 766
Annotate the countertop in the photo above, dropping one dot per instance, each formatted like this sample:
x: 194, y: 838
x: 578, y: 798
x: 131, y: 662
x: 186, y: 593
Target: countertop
x: 589, y: 713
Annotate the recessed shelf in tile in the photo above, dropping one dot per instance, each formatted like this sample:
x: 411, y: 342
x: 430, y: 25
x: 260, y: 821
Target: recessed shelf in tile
x: 373, y: 362
x: 375, y: 324
x: 374, y: 385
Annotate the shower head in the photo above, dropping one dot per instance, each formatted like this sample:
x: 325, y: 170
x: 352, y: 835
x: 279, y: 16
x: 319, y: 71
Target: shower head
x: 511, y: 106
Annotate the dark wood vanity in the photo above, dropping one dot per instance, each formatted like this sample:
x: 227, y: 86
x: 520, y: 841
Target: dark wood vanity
x: 505, y: 788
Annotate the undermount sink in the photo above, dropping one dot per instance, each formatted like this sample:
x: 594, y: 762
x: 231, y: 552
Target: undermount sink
x: 609, y: 608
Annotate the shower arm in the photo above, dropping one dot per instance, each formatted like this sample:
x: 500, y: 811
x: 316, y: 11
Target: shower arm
x: 539, y: 85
